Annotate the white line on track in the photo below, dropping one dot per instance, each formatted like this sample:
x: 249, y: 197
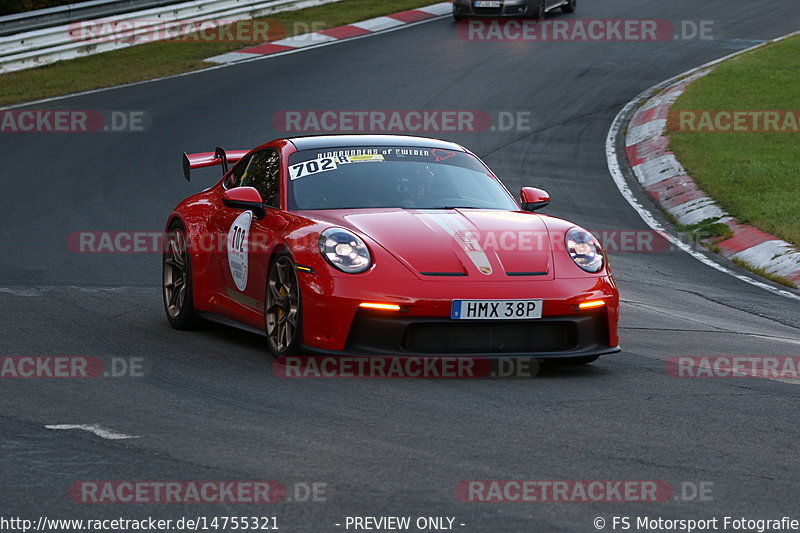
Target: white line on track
x: 771, y: 338
x: 97, y: 429
x: 619, y: 178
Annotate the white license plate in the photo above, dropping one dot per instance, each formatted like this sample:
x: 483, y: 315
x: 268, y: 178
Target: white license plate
x: 496, y: 309
x: 488, y: 3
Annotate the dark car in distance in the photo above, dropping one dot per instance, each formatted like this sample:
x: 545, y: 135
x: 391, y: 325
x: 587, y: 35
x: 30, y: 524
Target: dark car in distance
x: 536, y: 9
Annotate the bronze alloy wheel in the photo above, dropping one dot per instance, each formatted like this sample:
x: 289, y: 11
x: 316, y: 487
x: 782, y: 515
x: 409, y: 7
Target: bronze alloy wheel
x: 282, y: 306
x: 175, y: 273
x: 177, y: 280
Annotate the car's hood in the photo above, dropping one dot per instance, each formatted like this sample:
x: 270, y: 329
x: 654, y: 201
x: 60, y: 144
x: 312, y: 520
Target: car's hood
x: 468, y: 243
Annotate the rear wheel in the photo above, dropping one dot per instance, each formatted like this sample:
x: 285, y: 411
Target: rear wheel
x: 569, y: 7
x: 177, y: 280
x: 282, y: 307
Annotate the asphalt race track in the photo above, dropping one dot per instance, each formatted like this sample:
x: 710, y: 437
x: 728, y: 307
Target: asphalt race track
x: 209, y: 406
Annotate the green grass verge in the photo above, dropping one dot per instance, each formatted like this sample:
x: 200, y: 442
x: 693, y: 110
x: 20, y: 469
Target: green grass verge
x: 706, y: 229
x: 754, y: 176
x: 155, y: 60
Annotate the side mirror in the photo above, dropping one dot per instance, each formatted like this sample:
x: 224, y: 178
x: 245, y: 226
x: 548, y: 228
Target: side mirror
x: 532, y: 198
x: 245, y: 198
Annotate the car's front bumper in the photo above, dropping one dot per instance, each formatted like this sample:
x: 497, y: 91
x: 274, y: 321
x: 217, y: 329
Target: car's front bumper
x: 508, y: 8
x: 334, y: 323
x: 550, y: 337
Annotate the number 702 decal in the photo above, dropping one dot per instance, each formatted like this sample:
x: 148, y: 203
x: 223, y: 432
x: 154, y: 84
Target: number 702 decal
x: 315, y: 166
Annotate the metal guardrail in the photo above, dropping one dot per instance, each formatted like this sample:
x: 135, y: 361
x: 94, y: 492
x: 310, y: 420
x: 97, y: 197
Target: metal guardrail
x: 48, y: 45
x: 59, y: 15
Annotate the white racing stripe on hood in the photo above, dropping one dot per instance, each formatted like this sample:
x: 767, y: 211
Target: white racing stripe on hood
x: 451, y: 223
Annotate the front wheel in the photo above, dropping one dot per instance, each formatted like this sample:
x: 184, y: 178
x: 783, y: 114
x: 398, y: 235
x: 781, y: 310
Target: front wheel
x: 177, y: 280
x: 539, y: 9
x: 569, y: 7
x: 282, y: 307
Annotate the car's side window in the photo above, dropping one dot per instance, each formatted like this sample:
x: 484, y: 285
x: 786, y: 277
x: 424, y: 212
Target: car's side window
x: 234, y: 179
x: 262, y: 172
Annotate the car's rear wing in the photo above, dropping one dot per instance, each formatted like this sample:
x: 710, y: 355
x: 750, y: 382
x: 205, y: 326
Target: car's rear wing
x: 210, y: 159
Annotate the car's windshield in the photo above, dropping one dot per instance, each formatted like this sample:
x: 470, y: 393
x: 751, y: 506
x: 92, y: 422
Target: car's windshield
x: 392, y: 176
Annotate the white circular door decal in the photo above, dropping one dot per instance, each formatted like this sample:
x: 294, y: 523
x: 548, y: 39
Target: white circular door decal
x: 237, y: 249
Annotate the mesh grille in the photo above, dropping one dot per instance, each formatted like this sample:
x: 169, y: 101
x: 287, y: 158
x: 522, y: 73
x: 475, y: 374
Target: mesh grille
x: 529, y: 337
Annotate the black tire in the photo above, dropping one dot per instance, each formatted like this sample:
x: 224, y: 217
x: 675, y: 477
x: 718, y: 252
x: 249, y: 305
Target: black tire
x: 539, y: 9
x: 569, y: 7
x: 283, y: 314
x: 176, y: 279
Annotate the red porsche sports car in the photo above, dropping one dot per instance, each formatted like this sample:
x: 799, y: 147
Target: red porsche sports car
x: 384, y: 245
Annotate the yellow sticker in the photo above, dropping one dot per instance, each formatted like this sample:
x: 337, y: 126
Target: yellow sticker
x: 366, y: 158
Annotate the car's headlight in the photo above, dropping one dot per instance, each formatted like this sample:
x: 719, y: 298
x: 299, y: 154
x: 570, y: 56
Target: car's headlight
x: 344, y: 250
x: 584, y: 249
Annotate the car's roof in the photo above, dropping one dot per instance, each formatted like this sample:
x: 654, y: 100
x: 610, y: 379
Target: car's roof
x: 316, y: 142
